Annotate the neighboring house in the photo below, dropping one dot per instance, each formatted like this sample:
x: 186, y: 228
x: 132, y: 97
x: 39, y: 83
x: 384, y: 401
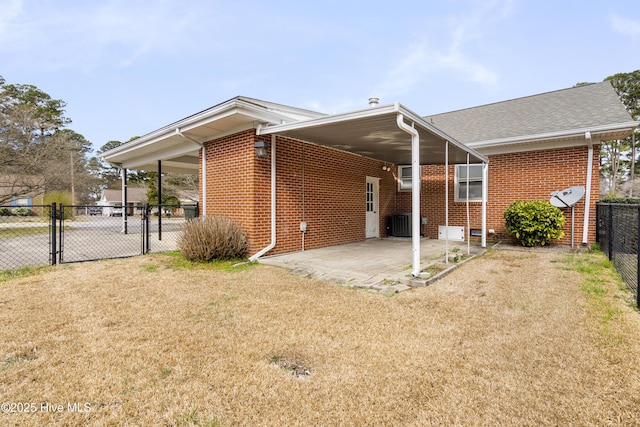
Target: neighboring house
x: 17, y: 190
x: 112, y: 201
x: 298, y: 179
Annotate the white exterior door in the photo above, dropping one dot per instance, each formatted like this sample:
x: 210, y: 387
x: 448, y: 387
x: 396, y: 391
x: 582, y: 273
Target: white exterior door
x: 372, y: 208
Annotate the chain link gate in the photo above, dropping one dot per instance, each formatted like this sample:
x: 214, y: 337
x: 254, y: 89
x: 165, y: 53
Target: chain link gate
x: 55, y: 234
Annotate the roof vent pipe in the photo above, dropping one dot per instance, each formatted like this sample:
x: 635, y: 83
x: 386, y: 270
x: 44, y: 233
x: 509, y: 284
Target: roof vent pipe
x: 373, y: 102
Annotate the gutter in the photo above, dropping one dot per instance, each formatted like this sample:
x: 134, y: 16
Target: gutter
x: 587, y: 198
x: 203, y: 178
x: 415, y: 192
x: 552, y: 135
x: 273, y: 199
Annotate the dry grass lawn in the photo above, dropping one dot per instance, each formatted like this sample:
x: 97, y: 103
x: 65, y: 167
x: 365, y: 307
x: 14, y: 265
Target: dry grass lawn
x: 510, y: 338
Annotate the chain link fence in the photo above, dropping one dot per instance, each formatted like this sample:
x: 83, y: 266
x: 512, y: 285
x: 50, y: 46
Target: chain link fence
x: 39, y: 235
x: 618, y: 231
x: 27, y: 236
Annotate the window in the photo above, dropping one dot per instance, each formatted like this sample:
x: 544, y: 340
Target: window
x: 370, y: 207
x: 475, y: 183
x: 404, y: 178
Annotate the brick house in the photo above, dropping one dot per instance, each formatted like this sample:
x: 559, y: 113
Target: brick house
x: 344, y: 177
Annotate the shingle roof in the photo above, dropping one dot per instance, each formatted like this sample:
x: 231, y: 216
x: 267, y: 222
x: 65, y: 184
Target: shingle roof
x: 574, y: 108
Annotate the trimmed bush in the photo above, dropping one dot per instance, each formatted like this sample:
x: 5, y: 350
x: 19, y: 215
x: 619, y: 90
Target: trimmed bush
x: 21, y: 211
x: 5, y: 211
x: 212, y: 238
x: 534, y: 222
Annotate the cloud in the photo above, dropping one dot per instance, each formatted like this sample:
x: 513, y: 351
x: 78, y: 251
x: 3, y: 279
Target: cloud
x: 11, y: 9
x: 87, y: 35
x: 425, y: 58
x: 624, y: 25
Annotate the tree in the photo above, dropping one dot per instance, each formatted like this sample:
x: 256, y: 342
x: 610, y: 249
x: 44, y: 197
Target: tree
x: 627, y: 85
x: 111, y: 174
x: 169, y: 196
x: 614, y: 162
x: 75, y: 177
x: 29, y: 146
x: 108, y: 173
x: 618, y: 156
x: 38, y: 153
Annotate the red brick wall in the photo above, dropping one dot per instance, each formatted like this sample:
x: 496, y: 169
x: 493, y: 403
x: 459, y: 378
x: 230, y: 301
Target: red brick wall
x: 326, y: 188
x: 323, y: 186
x: 529, y: 175
x: 231, y: 177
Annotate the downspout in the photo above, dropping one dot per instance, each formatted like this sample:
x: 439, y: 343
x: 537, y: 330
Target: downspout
x: 415, y: 193
x: 203, y: 178
x: 485, y: 197
x: 587, y: 198
x: 446, y: 202
x: 273, y: 201
x: 468, y: 220
x: 124, y: 200
x: 159, y: 199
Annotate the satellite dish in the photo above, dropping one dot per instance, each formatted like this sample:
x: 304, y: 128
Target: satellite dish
x: 567, y: 198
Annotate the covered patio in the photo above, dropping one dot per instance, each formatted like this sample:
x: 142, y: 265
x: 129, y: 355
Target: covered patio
x: 393, y: 134
x: 380, y: 265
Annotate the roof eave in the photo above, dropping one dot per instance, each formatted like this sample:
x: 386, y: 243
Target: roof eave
x: 227, y: 108
x: 565, y: 134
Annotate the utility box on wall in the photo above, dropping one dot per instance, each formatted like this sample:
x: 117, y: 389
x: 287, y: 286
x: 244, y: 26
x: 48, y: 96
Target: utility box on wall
x: 454, y: 233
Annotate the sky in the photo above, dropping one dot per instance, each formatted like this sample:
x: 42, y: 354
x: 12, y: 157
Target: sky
x: 128, y: 67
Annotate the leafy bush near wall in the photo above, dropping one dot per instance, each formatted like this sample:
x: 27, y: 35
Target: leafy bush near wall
x: 21, y: 211
x: 212, y: 238
x: 534, y: 222
x: 5, y: 211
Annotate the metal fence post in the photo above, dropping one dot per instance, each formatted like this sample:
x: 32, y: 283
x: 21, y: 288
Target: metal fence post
x: 160, y: 221
x: 53, y: 251
x: 61, y: 234
x: 598, y: 219
x: 146, y: 231
x: 610, y: 243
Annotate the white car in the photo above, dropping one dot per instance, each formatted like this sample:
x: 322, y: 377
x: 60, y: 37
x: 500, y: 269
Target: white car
x: 112, y: 211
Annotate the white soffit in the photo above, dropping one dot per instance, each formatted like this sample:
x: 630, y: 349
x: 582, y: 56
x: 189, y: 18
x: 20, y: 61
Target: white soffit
x: 181, y: 154
x: 374, y: 133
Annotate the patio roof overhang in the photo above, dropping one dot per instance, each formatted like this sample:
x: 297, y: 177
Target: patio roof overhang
x: 374, y: 133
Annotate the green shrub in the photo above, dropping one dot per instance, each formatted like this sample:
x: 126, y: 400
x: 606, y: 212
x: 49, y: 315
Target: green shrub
x: 21, y: 211
x: 60, y: 197
x: 206, y: 239
x: 534, y: 222
x: 621, y: 200
x: 5, y: 211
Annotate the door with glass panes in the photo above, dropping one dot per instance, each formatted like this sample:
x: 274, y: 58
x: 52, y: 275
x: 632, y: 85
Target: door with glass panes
x: 372, y: 207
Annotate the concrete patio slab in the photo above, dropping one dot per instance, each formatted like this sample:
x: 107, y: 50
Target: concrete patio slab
x: 382, y: 265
